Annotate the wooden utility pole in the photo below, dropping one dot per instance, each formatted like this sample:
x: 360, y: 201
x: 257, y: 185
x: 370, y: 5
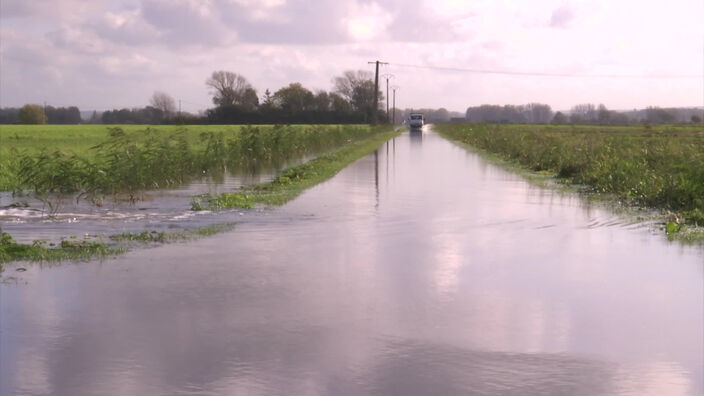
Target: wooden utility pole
x: 375, y: 113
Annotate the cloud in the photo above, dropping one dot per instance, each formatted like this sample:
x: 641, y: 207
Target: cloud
x: 187, y: 22
x: 561, y: 17
x: 366, y: 21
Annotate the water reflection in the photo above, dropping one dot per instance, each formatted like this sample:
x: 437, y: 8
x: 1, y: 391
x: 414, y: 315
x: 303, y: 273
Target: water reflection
x: 417, y: 270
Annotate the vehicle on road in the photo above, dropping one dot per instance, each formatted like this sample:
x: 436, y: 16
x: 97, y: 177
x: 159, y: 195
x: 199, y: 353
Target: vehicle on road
x: 416, y: 120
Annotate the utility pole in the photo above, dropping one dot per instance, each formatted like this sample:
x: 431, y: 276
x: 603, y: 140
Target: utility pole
x: 394, y: 88
x: 375, y: 115
x: 387, y: 76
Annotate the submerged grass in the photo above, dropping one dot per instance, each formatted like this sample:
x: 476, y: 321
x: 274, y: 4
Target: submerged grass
x: 86, y: 250
x: 66, y: 250
x: 660, y: 168
x: 290, y: 183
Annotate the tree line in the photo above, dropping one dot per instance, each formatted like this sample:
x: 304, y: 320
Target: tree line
x: 36, y: 114
x: 351, y: 100
x: 585, y: 113
x: 235, y: 101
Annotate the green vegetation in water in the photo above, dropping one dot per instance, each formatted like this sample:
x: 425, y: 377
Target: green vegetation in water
x: 659, y: 168
x: 71, y: 249
x: 291, y: 182
x: 131, y: 161
x: 66, y: 250
x: 166, y: 237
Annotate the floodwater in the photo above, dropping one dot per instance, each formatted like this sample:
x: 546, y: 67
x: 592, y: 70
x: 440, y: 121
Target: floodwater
x: 419, y: 270
x: 157, y: 210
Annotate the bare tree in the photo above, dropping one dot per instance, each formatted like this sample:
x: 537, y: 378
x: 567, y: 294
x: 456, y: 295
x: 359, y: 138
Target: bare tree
x: 346, y: 84
x: 163, y: 102
x: 581, y: 113
x: 229, y: 88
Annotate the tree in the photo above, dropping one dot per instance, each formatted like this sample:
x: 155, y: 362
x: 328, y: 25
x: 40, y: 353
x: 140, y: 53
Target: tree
x: 339, y: 104
x: 268, y: 99
x: 321, y: 102
x: 603, y: 114
x: 62, y: 115
x: 696, y: 119
x: 538, y: 113
x: 229, y: 89
x: 657, y: 115
x: 559, y: 118
x: 363, y: 98
x: 346, y: 84
x: 164, y: 102
x: 583, y: 113
x: 249, y: 100
x: 294, y: 98
x: 32, y: 114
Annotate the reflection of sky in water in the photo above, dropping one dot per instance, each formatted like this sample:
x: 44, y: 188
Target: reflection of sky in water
x: 391, y: 277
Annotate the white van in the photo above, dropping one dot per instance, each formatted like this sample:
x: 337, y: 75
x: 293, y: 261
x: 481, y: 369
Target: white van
x: 415, y: 120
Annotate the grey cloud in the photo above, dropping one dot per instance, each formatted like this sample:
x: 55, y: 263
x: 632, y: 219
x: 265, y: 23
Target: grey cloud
x: 182, y: 23
x: 295, y: 22
x: 21, y: 8
x: 412, y: 24
x: 222, y: 22
x: 134, y: 31
x: 305, y: 22
x: 561, y: 17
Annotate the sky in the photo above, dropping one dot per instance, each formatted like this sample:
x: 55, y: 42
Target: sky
x: 101, y: 55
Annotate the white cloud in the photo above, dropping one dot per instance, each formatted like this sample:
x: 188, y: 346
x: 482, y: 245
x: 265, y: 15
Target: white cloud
x: 366, y: 21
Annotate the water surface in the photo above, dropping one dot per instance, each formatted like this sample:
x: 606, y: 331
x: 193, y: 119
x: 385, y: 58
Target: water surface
x: 420, y: 269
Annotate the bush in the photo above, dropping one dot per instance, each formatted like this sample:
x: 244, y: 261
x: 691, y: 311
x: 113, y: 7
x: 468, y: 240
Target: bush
x: 32, y: 114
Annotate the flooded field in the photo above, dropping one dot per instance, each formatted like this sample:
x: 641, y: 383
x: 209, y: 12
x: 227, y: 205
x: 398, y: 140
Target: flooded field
x: 165, y: 209
x: 420, y: 269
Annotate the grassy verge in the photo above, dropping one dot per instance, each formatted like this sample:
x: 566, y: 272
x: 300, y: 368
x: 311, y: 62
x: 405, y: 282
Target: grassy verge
x: 638, y: 166
x: 85, y: 250
x: 294, y: 180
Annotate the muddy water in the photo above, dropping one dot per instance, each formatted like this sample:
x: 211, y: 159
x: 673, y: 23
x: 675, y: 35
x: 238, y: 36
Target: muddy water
x: 420, y: 269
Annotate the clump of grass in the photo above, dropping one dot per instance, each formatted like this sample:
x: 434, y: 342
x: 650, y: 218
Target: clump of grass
x: 145, y: 236
x: 659, y: 169
x: 72, y: 249
x: 67, y: 250
x: 290, y: 183
x: 166, y: 237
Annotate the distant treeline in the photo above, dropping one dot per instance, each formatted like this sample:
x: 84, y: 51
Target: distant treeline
x: 237, y: 102
x: 53, y: 115
x: 579, y: 114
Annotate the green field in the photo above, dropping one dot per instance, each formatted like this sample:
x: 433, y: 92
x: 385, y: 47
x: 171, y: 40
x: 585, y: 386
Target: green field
x: 80, y: 138
x: 658, y: 167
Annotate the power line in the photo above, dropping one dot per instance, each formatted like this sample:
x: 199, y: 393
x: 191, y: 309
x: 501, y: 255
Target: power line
x: 540, y: 74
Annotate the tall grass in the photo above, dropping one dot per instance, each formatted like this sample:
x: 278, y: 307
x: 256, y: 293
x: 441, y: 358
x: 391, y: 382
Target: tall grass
x: 126, y: 164
x: 663, y: 169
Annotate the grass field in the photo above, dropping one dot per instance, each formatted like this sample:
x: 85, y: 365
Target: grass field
x: 658, y: 167
x: 79, y: 139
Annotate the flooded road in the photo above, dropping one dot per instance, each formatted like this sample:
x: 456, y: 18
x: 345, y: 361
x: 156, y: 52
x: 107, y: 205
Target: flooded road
x: 420, y: 269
